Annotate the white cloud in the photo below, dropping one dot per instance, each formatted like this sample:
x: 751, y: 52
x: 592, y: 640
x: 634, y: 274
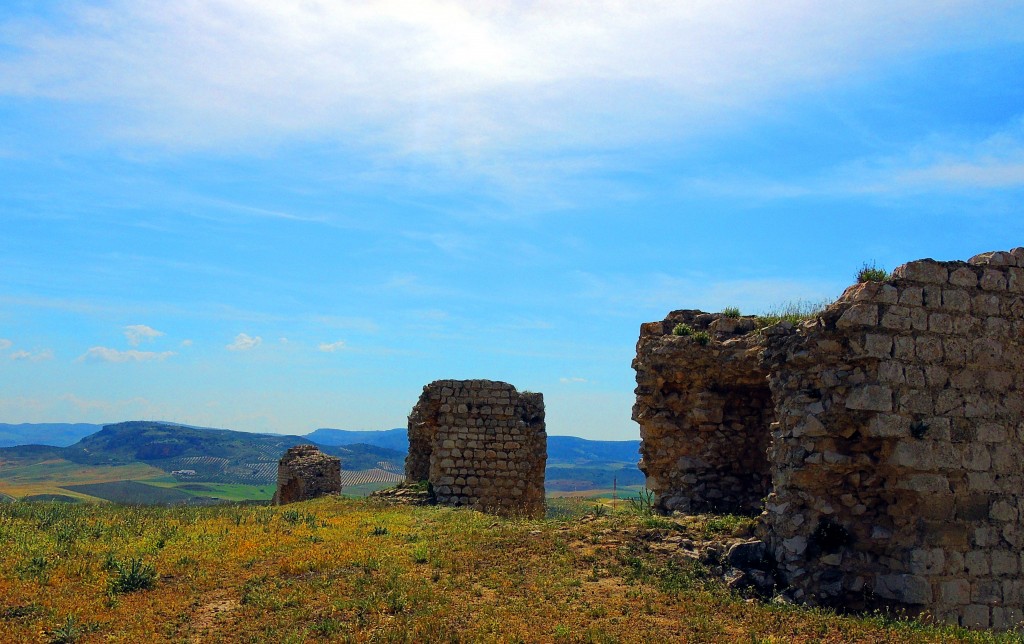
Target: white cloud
x: 38, y: 356
x: 332, y: 346
x: 937, y: 165
x: 186, y: 343
x: 244, y: 342
x: 451, y: 79
x: 137, y: 333
x: 5, y: 344
x: 106, y: 354
x: 572, y: 379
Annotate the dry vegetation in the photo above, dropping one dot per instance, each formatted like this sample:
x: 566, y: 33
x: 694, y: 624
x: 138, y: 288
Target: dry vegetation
x: 356, y: 570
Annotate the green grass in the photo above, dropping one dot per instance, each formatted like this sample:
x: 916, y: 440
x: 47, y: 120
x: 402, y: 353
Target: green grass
x: 223, y: 491
x: 132, y: 492
x: 731, y: 312
x: 794, y: 312
x: 872, y: 273
x: 323, y: 570
x: 364, y: 489
x: 50, y: 477
x: 682, y: 329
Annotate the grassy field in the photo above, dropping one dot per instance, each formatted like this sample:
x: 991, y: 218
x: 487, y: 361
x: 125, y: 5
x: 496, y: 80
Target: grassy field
x: 363, y: 490
x: 50, y: 477
x: 355, y: 570
x: 61, y: 477
x: 132, y: 493
x: 604, y: 494
x: 223, y: 491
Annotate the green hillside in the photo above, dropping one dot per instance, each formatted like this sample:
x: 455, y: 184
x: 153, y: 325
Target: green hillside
x: 152, y: 441
x: 150, y: 451
x: 155, y: 462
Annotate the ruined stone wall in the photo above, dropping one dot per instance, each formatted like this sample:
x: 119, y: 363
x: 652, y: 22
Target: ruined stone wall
x: 480, y: 444
x: 898, y: 461
x: 704, y: 413
x: 897, y: 444
x: 304, y: 472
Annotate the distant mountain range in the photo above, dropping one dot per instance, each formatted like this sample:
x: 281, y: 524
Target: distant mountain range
x: 560, y: 448
x: 55, y: 434
x: 396, y: 439
x: 231, y: 457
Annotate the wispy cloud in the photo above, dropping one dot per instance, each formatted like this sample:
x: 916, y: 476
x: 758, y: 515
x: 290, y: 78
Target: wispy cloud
x: 572, y: 380
x: 660, y: 292
x: 331, y: 347
x: 186, y: 343
x: 106, y: 354
x: 137, y: 333
x: 38, y: 356
x: 938, y: 165
x: 133, y: 407
x: 244, y: 342
x: 440, y: 77
x: 5, y: 344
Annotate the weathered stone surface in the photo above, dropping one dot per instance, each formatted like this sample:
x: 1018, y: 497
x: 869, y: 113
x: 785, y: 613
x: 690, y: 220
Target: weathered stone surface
x: 885, y: 435
x: 704, y: 414
x: 481, y: 444
x: 304, y: 473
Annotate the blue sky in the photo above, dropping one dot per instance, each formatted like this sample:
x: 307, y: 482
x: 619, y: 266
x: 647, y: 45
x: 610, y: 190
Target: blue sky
x: 278, y: 216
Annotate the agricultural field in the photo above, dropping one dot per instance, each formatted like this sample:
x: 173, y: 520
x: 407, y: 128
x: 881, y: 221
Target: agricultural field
x: 357, y: 570
x: 363, y: 489
x: 376, y: 475
x: 132, y: 493
x: 222, y: 491
x: 605, y: 495
x: 20, y: 480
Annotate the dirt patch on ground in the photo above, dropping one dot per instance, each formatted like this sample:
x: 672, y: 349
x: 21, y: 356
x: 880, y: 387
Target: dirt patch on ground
x: 208, y: 614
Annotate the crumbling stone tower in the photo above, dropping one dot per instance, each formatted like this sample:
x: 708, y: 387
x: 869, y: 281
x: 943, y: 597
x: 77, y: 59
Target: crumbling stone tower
x: 480, y: 444
x: 304, y: 472
x: 894, y: 426
x: 704, y: 413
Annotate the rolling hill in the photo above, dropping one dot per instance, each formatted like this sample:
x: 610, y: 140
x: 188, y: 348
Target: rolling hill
x: 167, y: 454
x: 55, y: 434
x: 175, y: 455
x: 571, y: 449
x: 396, y: 439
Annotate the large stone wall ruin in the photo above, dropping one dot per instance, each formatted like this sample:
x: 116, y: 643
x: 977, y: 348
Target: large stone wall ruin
x: 304, y: 472
x: 891, y: 431
x: 480, y: 444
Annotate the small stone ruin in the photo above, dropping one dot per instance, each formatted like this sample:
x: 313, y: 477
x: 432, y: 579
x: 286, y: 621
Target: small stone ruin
x: 480, y: 444
x: 882, y: 440
x: 304, y: 473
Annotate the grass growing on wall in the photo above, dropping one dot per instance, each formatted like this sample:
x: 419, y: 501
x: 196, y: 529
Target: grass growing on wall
x: 794, y: 312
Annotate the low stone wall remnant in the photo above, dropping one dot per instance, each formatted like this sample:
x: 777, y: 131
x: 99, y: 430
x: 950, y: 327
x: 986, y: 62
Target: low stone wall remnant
x: 304, y: 472
x: 889, y: 429
x: 480, y: 444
